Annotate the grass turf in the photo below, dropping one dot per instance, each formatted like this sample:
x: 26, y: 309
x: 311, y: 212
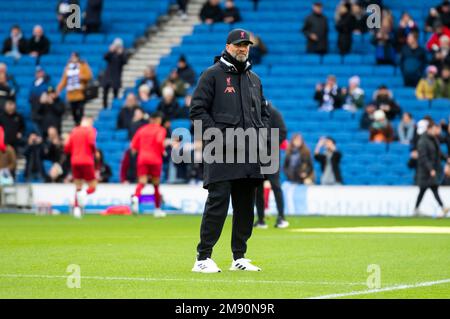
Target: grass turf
x: 143, y: 257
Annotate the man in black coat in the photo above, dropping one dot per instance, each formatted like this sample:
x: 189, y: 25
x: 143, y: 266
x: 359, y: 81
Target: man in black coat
x: 185, y: 71
x: 413, y: 60
x: 211, y: 12
x: 50, y: 111
x: 276, y: 121
x: 13, y: 124
x: 116, y: 59
x: 15, y: 45
x: 229, y: 95
x: 315, y: 29
x: 429, y: 168
x: 38, y: 44
x: 126, y: 114
x: 93, y: 18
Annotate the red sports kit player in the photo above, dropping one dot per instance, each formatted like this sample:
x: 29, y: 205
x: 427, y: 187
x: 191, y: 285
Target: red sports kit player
x: 148, y: 142
x: 81, y: 147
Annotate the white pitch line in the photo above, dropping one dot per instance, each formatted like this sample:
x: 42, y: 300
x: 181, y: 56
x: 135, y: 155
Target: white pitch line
x: 277, y: 282
x: 392, y: 288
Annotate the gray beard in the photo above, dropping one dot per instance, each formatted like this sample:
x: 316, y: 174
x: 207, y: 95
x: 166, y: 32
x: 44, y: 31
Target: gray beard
x: 240, y: 58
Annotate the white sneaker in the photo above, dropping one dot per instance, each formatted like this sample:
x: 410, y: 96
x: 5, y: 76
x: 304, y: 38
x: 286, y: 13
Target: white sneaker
x: 243, y: 264
x: 282, y: 224
x: 81, y: 198
x: 158, y: 213
x: 417, y: 212
x: 444, y: 212
x: 206, y: 266
x: 77, y: 212
x: 135, y: 204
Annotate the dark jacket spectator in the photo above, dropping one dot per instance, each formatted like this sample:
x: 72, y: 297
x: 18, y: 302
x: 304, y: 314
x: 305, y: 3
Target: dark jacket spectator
x: 440, y: 13
x: 231, y: 13
x: 115, y: 59
x: 298, y: 165
x: 258, y: 50
x: 183, y: 112
x: 441, y: 56
x: 50, y: 112
x: 53, y: 144
x: 315, y: 29
x: 329, y: 161
x: 328, y: 95
x: 140, y: 119
x: 40, y: 85
x: 13, y: 123
x: 176, y: 83
x: 169, y: 104
x: 128, y: 167
x: 93, y: 17
x: 413, y: 60
x: 38, y: 44
x: 367, y: 117
x: 34, y: 155
x: 151, y: 80
x: 384, y: 42
x: 127, y: 112
x: 15, y: 44
x: 6, y: 92
x: 102, y: 170
x: 405, y: 27
x: 211, y: 12
x: 277, y: 121
x: 384, y: 100
x: 360, y: 18
x: 381, y: 130
x: 345, y: 25
x: 185, y: 71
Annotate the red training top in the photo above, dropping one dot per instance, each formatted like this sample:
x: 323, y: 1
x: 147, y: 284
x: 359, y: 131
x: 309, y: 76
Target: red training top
x: 81, y: 146
x: 149, y: 143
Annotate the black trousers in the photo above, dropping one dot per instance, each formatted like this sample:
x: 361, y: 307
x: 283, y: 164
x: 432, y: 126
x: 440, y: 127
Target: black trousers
x: 274, y: 180
x: 106, y: 89
x: 77, y: 111
x: 242, y: 192
x: 422, y: 191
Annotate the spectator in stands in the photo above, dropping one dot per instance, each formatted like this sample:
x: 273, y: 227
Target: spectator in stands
x: 40, y: 85
x: 381, y: 130
x: 6, y: 92
x: 384, y: 42
x: 169, y: 104
x: 298, y: 165
x: 446, y: 180
x: 102, y: 170
x: 38, y: 44
x: 7, y: 160
x: 360, y: 18
x: 353, y: 96
x: 315, y: 29
x: 176, y: 83
x: 441, y: 57
x: 328, y: 95
x: 50, y: 112
x: 112, y: 79
x: 185, y: 71
x: 93, y: 16
x: 183, y: 112
x: 76, y: 75
x: 150, y: 79
x: 140, y: 118
x: 258, y: 50
x: 182, y: 8
x: 211, y: 12
x: 384, y: 100
x: 34, y: 155
x: 128, y: 167
x: 405, y: 27
x: 144, y: 96
x: 443, y: 84
x: 367, y: 118
x: 127, y: 112
x: 231, y: 13
x: 434, y: 43
x: 440, y: 13
x: 195, y: 169
x: 413, y: 60
x: 427, y: 87
x: 10, y: 79
x: 53, y: 152
x: 329, y: 161
x: 406, y: 129
x: 63, y: 12
x: 15, y: 45
x: 345, y: 24
x: 14, y: 125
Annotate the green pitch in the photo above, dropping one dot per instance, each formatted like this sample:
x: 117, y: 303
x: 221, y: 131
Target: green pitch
x: 143, y: 257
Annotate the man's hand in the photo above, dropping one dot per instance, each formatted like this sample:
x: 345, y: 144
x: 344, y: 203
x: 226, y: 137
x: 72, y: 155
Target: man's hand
x: 432, y: 173
x: 313, y: 36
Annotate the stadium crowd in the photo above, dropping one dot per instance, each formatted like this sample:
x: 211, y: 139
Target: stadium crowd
x: 425, y: 68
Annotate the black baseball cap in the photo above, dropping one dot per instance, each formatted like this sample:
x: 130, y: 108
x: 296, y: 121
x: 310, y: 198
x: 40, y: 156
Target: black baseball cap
x: 237, y: 36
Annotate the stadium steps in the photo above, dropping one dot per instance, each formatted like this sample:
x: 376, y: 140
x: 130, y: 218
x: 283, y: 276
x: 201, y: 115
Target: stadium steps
x: 160, y: 43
